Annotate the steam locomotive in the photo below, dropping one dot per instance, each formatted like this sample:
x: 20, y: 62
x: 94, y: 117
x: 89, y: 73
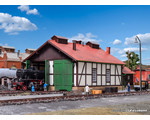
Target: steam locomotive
x: 28, y: 77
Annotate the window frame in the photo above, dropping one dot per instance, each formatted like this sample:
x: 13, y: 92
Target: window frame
x: 128, y: 77
x: 109, y: 76
x: 94, y: 81
x: 148, y: 76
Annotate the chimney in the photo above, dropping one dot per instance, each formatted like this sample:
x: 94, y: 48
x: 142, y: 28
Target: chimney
x: 77, y: 41
x: 18, y: 53
x: 82, y: 43
x: 5, y: 55
x: 108, y: 50
x: 74, y: 45
x: 0, y: 51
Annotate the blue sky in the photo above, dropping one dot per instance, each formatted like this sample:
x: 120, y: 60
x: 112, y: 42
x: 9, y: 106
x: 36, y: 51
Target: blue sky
x: 112, y: 26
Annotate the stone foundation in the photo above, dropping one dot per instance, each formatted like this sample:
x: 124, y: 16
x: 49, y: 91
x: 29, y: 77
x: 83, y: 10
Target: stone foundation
x: 51, y: 88
x: 81, y: 89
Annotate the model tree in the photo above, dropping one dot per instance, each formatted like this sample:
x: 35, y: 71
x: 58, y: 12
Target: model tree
x: 133, y: 60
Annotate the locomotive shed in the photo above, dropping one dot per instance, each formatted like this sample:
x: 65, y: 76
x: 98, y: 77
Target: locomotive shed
x: 70, y: 66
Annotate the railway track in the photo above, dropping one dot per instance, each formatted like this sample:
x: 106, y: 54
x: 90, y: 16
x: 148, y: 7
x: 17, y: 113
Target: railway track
x: 68, y: 98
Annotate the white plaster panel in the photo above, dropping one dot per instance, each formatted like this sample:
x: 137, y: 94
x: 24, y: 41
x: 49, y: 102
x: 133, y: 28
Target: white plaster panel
x: 75, y: 68
x: 82, y: 82
x: 113, y: 69
x: 94, y: 65
x: 103, y: 69
x: 103, y: 80
x: 98, y: 80
x: 80, y: 67
x: 89, y: 69
x: 51, y: 79
x: 112, y: 80
x: 98, y: 68
x: 74, y: 80
x: 119, y: 70
x: 88, y: 79
x: 108, y: 66
x: 94, y: 84
x: 107, y: 83
x: 117, y: 80
x: 51, y: 67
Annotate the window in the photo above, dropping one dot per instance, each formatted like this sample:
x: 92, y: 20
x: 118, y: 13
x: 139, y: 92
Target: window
x: 128, y: 77
x: 94, y: 71
x: 148, y: 76
x: 107, y: 76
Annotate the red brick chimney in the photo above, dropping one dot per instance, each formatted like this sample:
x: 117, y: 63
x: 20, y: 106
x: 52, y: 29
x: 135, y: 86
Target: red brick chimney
x: 74, y: 45
x: 5, y: 55
x: 108, y: 50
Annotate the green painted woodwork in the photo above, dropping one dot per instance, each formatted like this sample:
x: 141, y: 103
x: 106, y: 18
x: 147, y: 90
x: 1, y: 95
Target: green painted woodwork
x: 47, y: 73
x: 63, y: 75
x: 27, y: 64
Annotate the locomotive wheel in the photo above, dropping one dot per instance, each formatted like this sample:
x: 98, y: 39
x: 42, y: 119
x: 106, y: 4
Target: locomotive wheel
x: 24, y: 88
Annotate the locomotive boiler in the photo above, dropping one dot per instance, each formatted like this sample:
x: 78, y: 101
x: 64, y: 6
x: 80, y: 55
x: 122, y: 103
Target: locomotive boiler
x: 28, y: 77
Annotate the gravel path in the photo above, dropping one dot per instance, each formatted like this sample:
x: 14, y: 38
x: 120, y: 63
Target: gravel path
x: 66, y: 105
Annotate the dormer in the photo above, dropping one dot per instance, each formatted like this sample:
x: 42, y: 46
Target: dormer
x: 7, y: 49
x: 60, y: 39
x: 93, y: 45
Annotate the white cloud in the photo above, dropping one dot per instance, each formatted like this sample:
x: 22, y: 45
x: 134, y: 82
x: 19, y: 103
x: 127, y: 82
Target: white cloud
x: 146, y: 59
x: 3, y: 44
x: 88, y: 37
x: 145, y: 39
x: 14, y: 33
x: 146, y: 63
x: 28, y: 11
x: 114, y: 50
x: 124, y: 55
x: 117, y: 42
x: 12, y: 24
x: 23, y: 7
x: 131, y: 49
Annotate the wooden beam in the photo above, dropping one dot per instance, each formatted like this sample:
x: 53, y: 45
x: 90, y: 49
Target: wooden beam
x: 115, y: 74
x: 81, y: 73
x: 77, y: 74
x: 101, y: 74
x: 118, y: 74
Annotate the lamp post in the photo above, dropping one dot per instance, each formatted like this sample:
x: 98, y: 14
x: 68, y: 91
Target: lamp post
x: 140, y: 57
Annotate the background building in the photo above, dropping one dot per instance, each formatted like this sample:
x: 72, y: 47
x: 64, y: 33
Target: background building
x: 11, y: 59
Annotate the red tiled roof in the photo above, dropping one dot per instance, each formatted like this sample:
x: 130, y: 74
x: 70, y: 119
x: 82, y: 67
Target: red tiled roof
x: 86, y: 53
x: 126, y: 70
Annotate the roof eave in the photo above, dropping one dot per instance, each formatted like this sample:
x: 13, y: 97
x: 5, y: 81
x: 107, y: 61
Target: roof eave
x: 100, y: 62
x: 35, y: 51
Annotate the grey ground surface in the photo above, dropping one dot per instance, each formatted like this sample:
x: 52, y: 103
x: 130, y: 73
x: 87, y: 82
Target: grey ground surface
x: 28, y: 96
x: 130, y: 102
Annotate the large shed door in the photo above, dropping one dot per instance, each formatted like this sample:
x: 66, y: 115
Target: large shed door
x: 63, y: 75
x: 27, y: 64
